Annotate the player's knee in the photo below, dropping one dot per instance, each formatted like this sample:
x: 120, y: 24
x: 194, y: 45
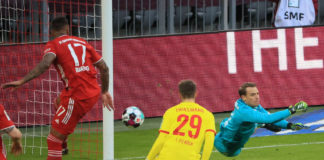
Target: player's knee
x: 57, y: 134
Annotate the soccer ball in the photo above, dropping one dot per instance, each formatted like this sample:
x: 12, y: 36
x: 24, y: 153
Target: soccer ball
x: 133, y: 117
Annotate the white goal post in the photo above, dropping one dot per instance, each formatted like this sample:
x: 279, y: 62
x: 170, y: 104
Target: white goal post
x: 107, y: 53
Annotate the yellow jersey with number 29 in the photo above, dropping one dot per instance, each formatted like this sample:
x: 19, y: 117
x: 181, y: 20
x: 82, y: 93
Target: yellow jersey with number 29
x: 186, y: 125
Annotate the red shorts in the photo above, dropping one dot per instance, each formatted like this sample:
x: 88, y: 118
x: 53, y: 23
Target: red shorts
x: 70, y: 111
x: 5, y: 123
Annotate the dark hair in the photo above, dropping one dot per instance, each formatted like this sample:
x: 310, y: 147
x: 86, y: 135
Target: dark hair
x: 58, y: 23
x: 187, y: 88
x: 242, y: 90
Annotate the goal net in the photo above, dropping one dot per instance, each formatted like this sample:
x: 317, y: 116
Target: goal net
x: 24, y: 31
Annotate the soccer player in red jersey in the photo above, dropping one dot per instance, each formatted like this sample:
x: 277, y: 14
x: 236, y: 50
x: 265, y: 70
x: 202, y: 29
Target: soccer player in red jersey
x: 7, y: 126
x: 75, y: 61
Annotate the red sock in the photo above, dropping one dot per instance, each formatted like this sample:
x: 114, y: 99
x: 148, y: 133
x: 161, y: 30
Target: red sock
x: 54, y: 148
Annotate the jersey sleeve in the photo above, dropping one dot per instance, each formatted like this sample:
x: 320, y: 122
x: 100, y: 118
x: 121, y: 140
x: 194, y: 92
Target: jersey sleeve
x: 282, y: 124
x: 211, y: 124
x: 166, y: 123
x: 261, y: 109
x: 95, y: 57
x: 50, y: 48
x: 251, y: 115
x: 157, y: 146
x: 208, y: 146
x: 5, y: 121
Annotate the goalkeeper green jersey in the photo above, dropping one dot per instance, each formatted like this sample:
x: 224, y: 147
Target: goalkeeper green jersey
x: 237, y: 129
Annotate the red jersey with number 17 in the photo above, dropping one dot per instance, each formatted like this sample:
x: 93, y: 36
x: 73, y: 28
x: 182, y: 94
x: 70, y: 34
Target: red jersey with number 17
x: 74, y: 63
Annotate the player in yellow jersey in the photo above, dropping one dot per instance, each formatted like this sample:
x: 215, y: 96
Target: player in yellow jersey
x: 185, y: 128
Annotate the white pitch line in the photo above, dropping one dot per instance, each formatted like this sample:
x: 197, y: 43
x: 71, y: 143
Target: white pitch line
x: 247, y: 148
x: 282, y: 145
x: 130, y: 158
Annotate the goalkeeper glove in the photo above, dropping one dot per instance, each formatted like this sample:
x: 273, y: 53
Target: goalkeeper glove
x: 296, y: 126
x: 300, y: 106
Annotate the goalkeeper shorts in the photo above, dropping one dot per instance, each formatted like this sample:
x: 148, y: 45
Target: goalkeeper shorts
x: 219, y: 145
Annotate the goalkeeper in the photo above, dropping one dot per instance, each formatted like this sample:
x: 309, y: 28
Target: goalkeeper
x: 236, y: 130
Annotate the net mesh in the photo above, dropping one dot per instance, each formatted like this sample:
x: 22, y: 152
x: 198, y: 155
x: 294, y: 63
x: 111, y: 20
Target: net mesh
x: 24, y: 30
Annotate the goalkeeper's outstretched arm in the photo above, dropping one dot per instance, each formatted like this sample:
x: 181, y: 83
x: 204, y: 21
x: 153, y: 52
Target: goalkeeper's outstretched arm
x: 261, y: 117
x: 292, y: 126
x: 274, y: 127
x: 284, y: 124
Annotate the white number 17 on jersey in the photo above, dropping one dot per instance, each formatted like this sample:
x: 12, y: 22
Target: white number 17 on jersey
x: 75, y: 57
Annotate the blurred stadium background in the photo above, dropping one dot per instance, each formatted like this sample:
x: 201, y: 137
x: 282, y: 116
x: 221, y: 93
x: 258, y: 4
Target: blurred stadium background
x: 218, y: 43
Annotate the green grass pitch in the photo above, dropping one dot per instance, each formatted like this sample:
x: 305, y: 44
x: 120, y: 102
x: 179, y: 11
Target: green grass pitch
x: 134, y: 144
